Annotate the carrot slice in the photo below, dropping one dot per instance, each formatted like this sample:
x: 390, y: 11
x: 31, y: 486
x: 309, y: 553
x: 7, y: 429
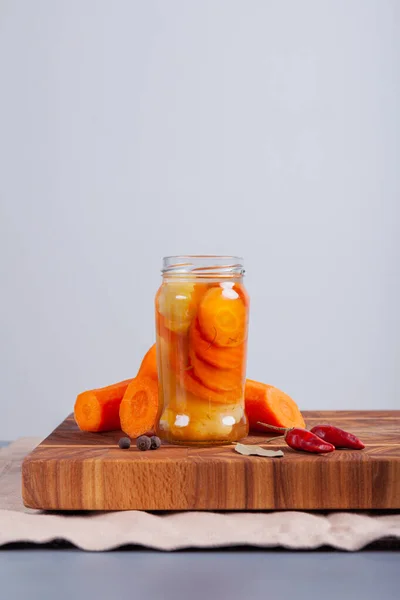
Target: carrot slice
x: 148, y: 366
x: 177, y: 302
x: 221, y: 380
x: 98, y: 410
x: 241, y: 290
x: 222, y: 317
x: 193, y: 385
x: 178, y: 345
x: 269, y: 405
x: 224, y: 358
x: 139, y: 406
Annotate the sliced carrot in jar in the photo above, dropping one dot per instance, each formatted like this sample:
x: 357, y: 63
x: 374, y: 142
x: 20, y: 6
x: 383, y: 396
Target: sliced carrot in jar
x: 224, y: 358
x: 177, y: 302
x: 223, y: 380
x: 177, y: 345
x: 222, y: 317
x: 241, y: 290
x: 193, y: 385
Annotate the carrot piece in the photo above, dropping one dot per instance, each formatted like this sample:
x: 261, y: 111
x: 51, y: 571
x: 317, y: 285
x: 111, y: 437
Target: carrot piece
x: 139, y: 406
x: 222, y: 317
x: 194, y: 386
x: 148, y: 366
x: 268, y: 404
x: 221, y: 380
x: 241, y: 290
x: 224, y: 358
x: 177, y: 302
x: 178, y: 345
x: 98, y: 410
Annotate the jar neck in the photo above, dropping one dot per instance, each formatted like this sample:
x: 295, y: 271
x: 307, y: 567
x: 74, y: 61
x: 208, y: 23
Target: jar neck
x: 213, y: 267
x: 203, y: 278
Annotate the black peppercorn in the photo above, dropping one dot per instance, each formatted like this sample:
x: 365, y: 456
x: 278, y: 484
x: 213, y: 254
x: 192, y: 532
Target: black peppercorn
x: 143, y: 442
x: 124, y: 443
x: 155, y: 442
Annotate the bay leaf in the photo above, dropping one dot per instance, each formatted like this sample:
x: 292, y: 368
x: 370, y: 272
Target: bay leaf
x: 251, y: 450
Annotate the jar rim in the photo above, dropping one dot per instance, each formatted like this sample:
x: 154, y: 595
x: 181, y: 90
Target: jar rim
x: 203, y: 264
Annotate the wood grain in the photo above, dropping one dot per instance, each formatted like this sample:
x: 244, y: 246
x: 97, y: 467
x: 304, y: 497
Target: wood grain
x: 73, y: 470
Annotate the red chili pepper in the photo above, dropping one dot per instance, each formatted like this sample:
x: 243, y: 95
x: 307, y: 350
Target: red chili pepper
x: 301, y: 439
x: 338, y: 437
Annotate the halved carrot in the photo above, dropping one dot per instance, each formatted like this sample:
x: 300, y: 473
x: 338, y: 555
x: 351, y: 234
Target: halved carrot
x: 269, y: 405
x: 98, y: 410
x: 224, y: 358
x: 139, y: 406
x: 193, y: 385
x: 148, y: 366
x: 222, y: 317
x: 221, y: 380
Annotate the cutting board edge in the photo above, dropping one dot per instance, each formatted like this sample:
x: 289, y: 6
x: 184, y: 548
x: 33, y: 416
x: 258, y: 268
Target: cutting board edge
x: 36, y: 470
x: 50, y: 480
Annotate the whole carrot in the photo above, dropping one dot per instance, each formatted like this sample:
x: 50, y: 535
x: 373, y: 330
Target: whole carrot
x: 338, y: 437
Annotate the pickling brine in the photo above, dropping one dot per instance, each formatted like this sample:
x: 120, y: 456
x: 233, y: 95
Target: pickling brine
x: 202, y: 312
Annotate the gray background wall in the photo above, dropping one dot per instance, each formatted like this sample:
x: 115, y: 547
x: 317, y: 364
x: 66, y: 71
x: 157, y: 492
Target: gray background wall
x: 130, y: 130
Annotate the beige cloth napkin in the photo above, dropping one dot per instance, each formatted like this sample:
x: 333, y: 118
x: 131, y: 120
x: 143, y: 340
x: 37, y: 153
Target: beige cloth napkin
x: 170, y: 531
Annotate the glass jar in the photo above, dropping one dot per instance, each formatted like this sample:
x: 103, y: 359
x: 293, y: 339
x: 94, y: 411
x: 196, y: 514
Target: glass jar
x: 202, y: 312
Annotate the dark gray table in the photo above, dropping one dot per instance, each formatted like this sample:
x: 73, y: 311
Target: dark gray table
x: 214, y: 575
x: 61, y: 574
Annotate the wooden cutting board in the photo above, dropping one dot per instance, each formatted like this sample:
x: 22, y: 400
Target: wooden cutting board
x: 73, y: 470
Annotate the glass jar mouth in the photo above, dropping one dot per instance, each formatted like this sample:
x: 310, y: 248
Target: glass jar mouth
x: 203, y: 265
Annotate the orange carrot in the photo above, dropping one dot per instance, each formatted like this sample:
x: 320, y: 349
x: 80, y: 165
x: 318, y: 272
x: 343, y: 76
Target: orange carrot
x: 177, y: 302
x: 148, y: 366
x: 139, y: 406
x: 268, y: 404
x: 240, y: 289
x: 194, y: 386
x: 178, y: 351
x: 221, y: 380
x: 224, y: 358
x: 222, y: 317
x: 98, y: 410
